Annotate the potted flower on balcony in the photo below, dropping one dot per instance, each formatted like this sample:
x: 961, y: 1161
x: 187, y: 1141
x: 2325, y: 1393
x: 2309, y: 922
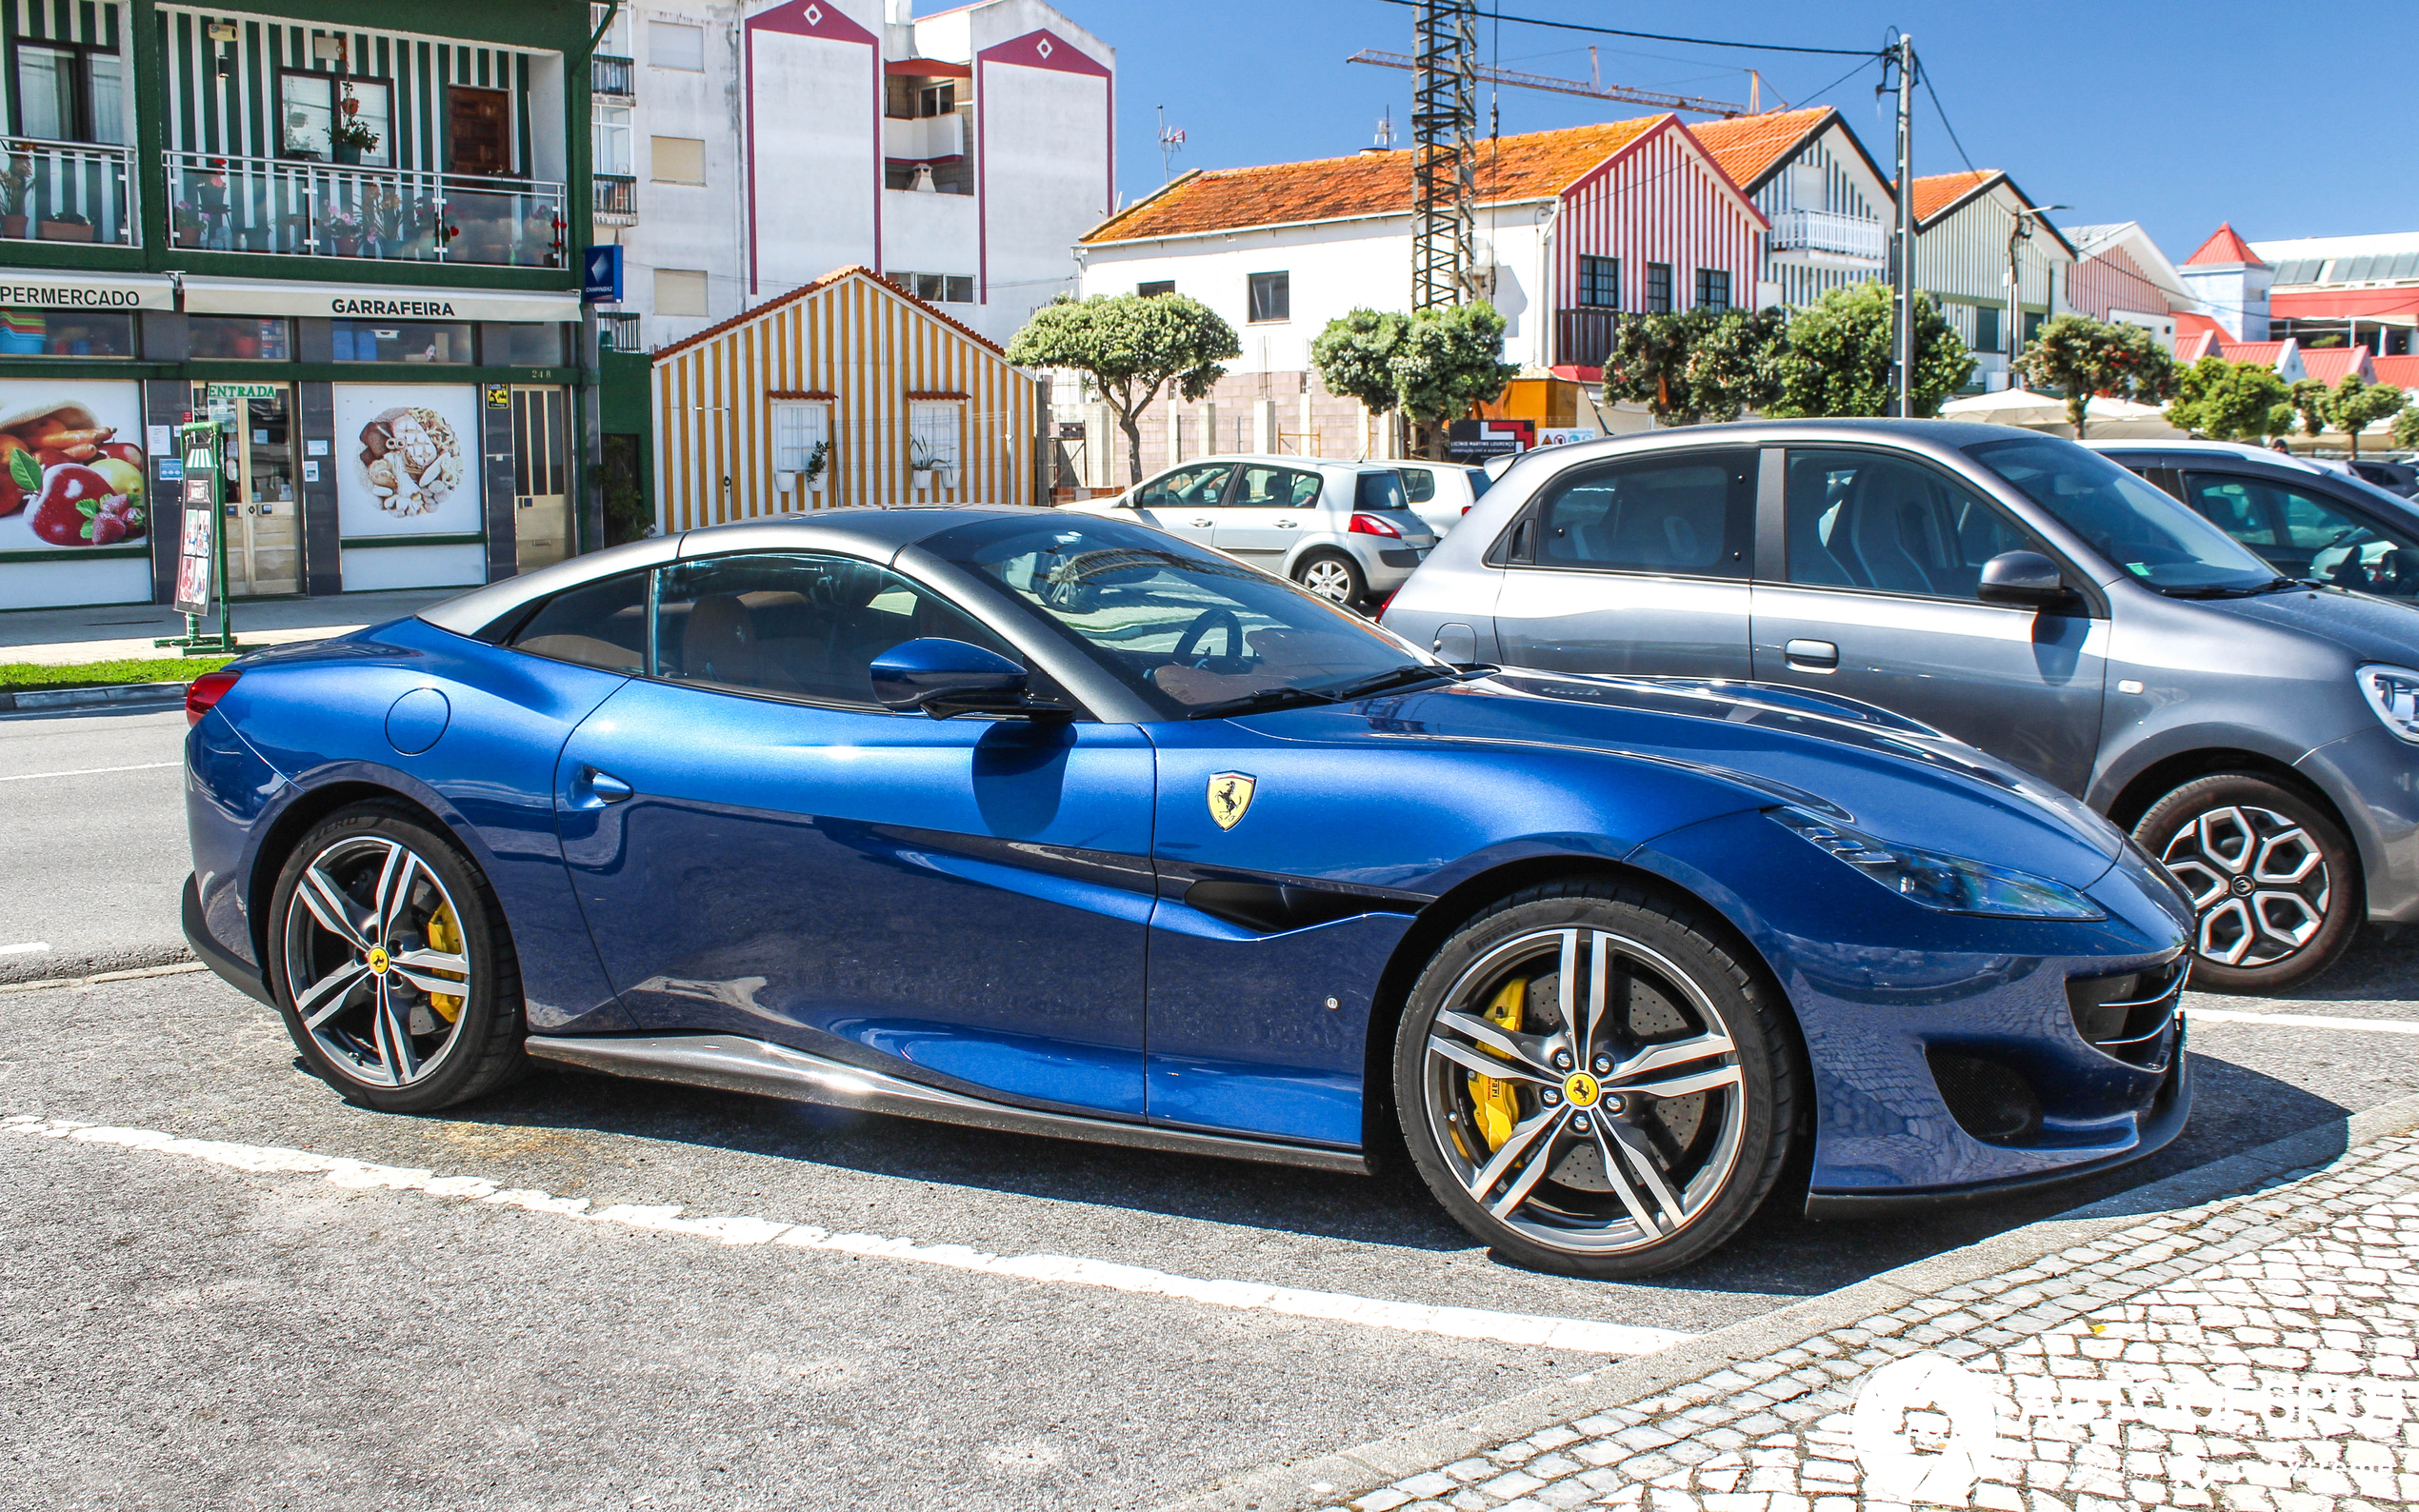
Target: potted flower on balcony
x: 929, y: 467
x: 342, y: 228
x: 351, y: 136
x: 64, y: 227
x: 186, y: 223
x: 16, y: 183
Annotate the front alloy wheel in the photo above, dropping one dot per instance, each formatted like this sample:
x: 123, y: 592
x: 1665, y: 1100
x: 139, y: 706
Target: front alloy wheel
x: 1588, y: 1083
x: 2274, y: 884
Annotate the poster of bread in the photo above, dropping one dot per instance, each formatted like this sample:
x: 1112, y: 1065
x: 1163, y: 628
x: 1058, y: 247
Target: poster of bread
x: 72, y: 470
x: 407, y: 459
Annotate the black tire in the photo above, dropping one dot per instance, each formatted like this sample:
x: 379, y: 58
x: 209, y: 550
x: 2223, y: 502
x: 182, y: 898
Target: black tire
x: 1716, y: 1152
x: 2231, y: 840
x: 1333, y: 575
x: 474, y: 1051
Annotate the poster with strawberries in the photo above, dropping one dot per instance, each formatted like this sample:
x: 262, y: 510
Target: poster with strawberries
x: 71, y: 470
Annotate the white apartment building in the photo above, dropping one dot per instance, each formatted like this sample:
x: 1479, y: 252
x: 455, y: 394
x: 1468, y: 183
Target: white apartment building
x: 745, y: 149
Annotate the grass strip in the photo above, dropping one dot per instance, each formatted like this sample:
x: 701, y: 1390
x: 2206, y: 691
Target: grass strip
x: 31, y: 676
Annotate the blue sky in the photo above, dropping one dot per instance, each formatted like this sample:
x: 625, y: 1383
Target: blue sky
x: 2289, y: 120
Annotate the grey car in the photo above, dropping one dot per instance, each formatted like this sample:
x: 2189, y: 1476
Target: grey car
x: 2254, y: 730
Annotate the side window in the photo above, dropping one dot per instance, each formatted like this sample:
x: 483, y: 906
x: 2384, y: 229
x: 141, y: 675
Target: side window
x: 1379, y: 490
x: 795, y: 626
x: 603, y: 624
x: 1187, y: 488
x: 1276, y: 487
x: 2307, y: 535
x: 1692, y: 514
x: 1419, y: 484
x: 2239, y: 507
x: 1865, y: 520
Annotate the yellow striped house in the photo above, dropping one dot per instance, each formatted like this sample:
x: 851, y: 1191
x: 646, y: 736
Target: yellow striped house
x: 907, y: 405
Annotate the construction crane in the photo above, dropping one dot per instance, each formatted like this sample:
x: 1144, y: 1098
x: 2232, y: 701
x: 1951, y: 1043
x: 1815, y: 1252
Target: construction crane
x: 1484, y: 73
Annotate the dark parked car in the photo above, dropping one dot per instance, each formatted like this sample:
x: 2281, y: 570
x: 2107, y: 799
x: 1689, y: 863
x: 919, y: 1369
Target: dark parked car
x: 2304, y: 520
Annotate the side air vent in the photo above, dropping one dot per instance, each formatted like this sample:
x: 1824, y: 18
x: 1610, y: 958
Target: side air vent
x: 1989, y: 1101
x: 2127, y: 1015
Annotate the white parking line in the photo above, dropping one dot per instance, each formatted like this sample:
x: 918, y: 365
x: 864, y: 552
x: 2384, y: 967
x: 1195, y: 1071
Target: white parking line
x: 2302, y: 1021
x: 86, y: 771
x: 25, y: 949
x: 1453, y: 1322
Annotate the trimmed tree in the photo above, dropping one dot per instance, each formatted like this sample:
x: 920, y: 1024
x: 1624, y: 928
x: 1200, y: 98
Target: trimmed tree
x: 1699, y: 365
x: 2078, y: 357
x: 2407, y: 427
x: 1131, y: 347
x: 1838, y: 360
x: 2357, y: 404
x: 1355, y: 357
x: 1450, y: 359
x: 2308, y: 401
x: 2231, y: 400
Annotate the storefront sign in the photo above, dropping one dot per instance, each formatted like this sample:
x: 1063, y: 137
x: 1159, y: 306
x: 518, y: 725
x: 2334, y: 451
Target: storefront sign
x: 65, y: 290
x: 247, y: 391
x: 1469, y: 441
x: 249, y: 296
x: 602, y: 275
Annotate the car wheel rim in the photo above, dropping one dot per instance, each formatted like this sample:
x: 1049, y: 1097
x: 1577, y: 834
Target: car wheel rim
x: 1328, y: 580
x: 376, y: 962
x: 2258, y: 882
x: 1583, y: 1091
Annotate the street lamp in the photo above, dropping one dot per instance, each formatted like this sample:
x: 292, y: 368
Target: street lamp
x: 2019, y: 232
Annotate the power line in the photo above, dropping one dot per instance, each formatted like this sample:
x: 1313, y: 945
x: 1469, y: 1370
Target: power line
x: 1923, y: 75
x: 1660, y: 36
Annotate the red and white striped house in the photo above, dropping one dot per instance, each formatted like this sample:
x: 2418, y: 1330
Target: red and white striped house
x: 1575, y: 228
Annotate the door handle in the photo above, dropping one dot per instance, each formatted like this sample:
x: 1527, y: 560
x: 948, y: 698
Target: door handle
x: 604, y: 788
x: 1815, y: 656
x: 1289, y: 525
x: 1205, y: 524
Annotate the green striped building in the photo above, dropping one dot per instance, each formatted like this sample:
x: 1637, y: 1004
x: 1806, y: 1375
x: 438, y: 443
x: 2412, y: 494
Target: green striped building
x: 357, y: 244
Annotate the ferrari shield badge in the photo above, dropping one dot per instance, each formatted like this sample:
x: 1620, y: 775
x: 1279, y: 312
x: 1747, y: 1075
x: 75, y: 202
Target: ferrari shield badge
x: 1230, y: 797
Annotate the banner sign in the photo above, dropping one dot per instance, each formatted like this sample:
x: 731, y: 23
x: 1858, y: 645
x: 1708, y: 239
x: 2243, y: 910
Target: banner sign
x: 197, y: 547
x: 1474, y: 441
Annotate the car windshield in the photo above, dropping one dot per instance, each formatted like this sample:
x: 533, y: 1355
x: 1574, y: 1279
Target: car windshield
x: 2137, y: 526
x: 1194, y: 633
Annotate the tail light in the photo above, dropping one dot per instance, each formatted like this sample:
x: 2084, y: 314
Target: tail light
x: 1371, y: 525
x: 203, y: 693
x: 1466, y: 508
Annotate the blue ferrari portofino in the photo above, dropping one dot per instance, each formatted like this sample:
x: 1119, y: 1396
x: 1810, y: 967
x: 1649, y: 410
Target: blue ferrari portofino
x: 1054, y: 824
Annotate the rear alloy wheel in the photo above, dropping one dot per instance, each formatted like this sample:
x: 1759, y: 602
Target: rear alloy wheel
x: 392, y: 964
x: 1332, y: 575
x: 2275, y: 885
x: 1589, y: 1082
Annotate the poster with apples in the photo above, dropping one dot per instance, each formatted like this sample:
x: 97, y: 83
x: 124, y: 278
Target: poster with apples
x: 72, y: 470
x: 408, y: 459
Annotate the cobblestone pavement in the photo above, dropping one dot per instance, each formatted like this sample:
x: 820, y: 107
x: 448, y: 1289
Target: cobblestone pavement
x: 2255, y: 1353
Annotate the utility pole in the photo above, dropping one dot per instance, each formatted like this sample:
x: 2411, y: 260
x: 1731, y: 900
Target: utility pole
x: 1444, y: 117
x: 1902, y: 344
x: 2017, y: 235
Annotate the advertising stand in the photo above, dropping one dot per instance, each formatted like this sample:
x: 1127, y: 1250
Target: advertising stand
x: 201, y: 556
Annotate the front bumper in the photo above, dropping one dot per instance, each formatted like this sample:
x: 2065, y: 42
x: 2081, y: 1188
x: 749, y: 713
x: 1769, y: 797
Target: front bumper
x: 2369, y: 775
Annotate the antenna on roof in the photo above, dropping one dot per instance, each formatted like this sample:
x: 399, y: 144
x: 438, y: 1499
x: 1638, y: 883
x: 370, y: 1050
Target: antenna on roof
x: 1386, y: 128
x: 1172, y: 141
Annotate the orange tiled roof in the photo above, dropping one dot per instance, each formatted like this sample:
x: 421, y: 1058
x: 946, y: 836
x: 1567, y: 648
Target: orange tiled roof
x: 2403, y: 372
x: 1749, y: 147
x: 1535, y: 165
x: 2329, y: 364
x: 853, y: 269
x: 1941, y: 190
x: 2189, y: 322
x: 2223, y: 247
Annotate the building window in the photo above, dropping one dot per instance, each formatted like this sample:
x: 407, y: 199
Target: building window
x: 315, y: 104
x: 526, y: 343
x: 906, y: 98
x: 2031, y: 326
x: 680, y: 291
x: 1986, y: 327
x: 478, y: 125
x: 932, y: 439
x: 1156, y: 287
x: 1713, y: 289
x: 64, y: 333
x: 1272, y: 297
x: 243, y: 338
x: 676, y: 159
x: 798, y: 427
x: 941, y: 288
x: 674, y: 44
x: 407, y: 341
x: 1658, y: 289
x: 1600, y: 281
x: 610, y: 138
x: 70, y: 94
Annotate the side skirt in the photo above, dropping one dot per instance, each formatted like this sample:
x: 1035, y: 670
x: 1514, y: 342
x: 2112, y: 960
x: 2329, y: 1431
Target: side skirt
x: 734, y: 1063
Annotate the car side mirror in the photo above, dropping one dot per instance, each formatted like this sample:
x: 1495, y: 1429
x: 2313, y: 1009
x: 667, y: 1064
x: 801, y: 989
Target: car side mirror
x: 2024, y: 578
x: 943, y: 678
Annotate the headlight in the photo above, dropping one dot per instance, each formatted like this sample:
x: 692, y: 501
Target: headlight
x: 2394, y: 696
x: 1949, y: 883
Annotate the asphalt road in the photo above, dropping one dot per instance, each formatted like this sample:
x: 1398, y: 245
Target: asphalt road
x: 92, y: 855
x: 177, y: 1331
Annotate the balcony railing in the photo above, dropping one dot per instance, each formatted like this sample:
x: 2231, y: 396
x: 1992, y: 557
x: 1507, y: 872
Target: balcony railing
x: 616, y: 199
x: 1584, y: 337
x: 608, y: 75
x: 69, y: 191
x: 298, y: 209
x: 617, y: 331
x: 1828, y: 231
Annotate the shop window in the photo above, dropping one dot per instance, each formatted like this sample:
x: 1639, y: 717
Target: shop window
x: 65, y: 333
x: 933, y: 439
x: 674, y: 44
x: 242, y: 338
x: 314, y: 105
x: 676, y: 159
x: 70, y: 94
x: 1272, y: 297
x: 680, y: 291
x: 478, y: 132
x: 528, y: 344
x: 405, y: 341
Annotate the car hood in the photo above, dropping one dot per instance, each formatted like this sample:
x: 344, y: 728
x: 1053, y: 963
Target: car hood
x: 1891, y: 777
x: 2368, y: 627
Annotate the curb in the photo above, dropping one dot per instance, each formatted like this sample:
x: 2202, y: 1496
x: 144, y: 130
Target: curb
x: 1297, y: 1485
x: 88, y: 697
x: 70, y: 970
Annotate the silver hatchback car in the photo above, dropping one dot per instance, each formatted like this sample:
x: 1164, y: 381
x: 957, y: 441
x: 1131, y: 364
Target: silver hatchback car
x: 2254, y: 730
x: 1344, y: 530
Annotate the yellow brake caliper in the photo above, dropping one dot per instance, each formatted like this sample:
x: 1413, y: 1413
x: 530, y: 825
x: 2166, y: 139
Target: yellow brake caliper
x: 445, y: 933
x: 1497, y: 1108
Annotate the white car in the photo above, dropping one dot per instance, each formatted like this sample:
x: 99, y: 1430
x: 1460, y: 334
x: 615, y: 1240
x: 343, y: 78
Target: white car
x: 1442, y: 492
x: 1342, y: 529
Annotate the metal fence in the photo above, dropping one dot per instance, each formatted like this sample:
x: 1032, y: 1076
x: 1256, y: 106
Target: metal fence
x: 69, y: 191
x: 327, y: 209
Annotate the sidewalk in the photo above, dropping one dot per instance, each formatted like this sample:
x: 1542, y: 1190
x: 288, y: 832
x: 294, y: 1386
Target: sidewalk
x: 2252, y: 1353
x: 61, y: 637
